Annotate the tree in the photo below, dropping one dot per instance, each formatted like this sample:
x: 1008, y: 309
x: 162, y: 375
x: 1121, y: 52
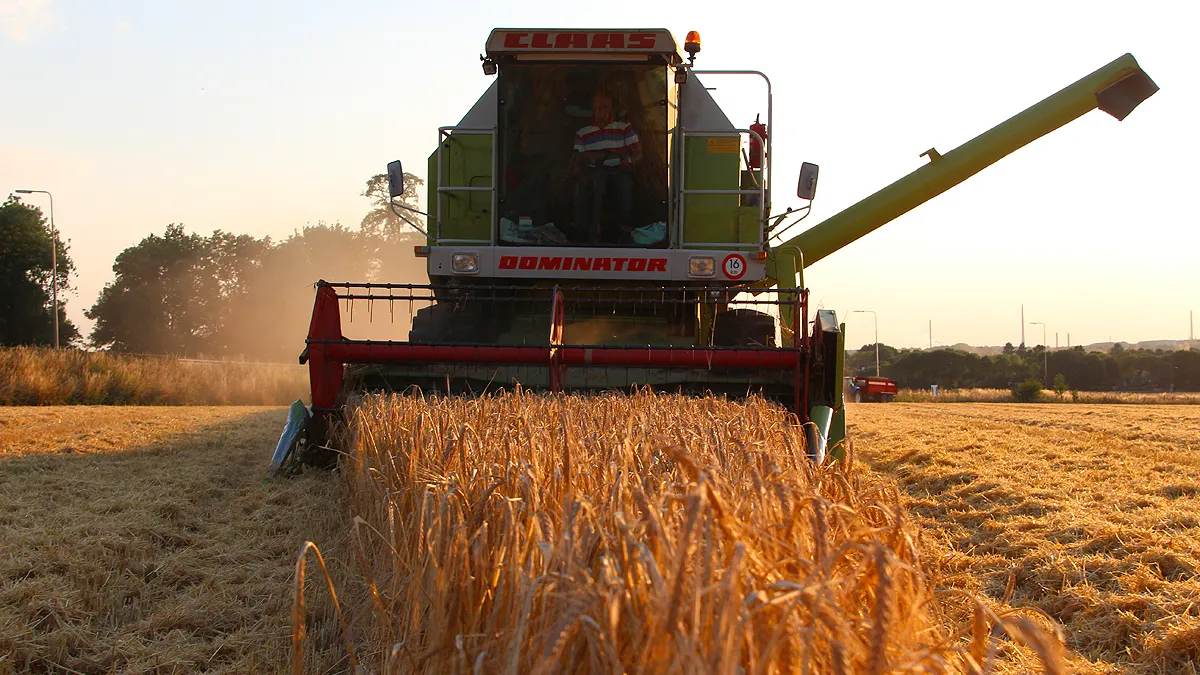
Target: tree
x: 172, y: 293
x: 25, y: 278
x: 380, y: 220
x: 1029, y: 391
x: 1060, y: 385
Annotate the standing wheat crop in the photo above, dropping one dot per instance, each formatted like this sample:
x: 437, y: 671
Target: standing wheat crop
x: 524, y: 533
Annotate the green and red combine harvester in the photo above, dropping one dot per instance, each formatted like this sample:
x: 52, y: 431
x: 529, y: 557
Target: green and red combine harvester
x: 596, y: 222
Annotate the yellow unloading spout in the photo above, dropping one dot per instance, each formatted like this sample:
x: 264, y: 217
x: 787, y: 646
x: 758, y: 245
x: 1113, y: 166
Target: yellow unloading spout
x: 1116, y: 89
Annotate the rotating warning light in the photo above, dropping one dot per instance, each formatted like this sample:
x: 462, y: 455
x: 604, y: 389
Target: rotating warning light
x: 691, y: 44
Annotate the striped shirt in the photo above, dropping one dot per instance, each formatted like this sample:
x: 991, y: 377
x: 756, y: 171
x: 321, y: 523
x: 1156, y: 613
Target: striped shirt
x: 595, y: 143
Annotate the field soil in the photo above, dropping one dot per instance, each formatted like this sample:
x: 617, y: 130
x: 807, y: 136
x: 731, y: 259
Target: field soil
x: 1089, y: 513
x: 151, y: 540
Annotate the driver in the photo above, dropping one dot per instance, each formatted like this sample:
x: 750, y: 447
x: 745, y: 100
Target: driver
x: 605, y: 153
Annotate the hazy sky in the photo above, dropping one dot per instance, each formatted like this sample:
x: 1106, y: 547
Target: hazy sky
x: 259, y: 117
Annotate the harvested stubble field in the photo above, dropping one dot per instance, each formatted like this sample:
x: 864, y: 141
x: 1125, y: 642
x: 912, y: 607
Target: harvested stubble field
x: 146, y: 540
x: 1091, y: 513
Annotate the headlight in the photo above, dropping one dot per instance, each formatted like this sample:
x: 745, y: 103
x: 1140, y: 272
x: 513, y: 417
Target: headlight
x: 465, y: 263
x: 701, y: 267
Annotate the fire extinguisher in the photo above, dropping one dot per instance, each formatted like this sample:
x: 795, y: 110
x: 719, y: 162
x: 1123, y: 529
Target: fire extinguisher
x: 756, y: 146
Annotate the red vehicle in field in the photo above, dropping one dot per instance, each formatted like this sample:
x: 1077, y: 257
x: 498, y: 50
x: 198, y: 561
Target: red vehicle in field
x: 877, y: 389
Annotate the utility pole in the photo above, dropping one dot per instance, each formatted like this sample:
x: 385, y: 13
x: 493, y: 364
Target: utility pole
x: 876, y: 316
x: 931, y: 333
x: 1056, y: 339
x: 53, y: 261
x: 1045, y: 352
x: 1022, y: 325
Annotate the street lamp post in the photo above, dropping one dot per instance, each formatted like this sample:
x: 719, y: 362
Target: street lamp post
x: 53, y: 261
x: 1045, y: 354
x: 876, y: 317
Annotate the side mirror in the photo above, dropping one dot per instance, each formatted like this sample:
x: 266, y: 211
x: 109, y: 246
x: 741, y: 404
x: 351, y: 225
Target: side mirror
x: 395, y: 171
x: 807, y: 188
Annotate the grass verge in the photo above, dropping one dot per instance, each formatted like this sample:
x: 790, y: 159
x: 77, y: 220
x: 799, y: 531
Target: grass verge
x: 40, y: 376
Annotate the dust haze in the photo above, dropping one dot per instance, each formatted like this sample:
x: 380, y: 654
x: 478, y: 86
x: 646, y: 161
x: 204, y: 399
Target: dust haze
x: 270, y: 320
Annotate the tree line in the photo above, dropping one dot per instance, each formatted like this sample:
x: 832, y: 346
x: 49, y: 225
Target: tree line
x: 1074, y: 368
x: 187, y: 294
x: 235, y: 295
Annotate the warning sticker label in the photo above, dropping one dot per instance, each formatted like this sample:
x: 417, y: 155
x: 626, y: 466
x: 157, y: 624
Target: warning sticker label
x: 724, y: 146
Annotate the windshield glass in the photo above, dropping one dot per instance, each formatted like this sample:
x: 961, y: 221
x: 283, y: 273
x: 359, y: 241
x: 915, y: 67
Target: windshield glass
x: 583, y: 154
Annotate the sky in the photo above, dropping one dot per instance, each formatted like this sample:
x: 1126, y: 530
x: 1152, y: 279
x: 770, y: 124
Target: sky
x: 262, y: 117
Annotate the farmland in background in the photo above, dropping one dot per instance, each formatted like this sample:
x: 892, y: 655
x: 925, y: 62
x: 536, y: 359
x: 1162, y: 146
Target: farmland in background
x: 42, y: 376
x: 1048, y: 396
x: 1118, y: 369
x: 1091, y: 513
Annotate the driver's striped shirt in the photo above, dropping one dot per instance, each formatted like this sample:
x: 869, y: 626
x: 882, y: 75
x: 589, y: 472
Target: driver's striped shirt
x: 617, y: 138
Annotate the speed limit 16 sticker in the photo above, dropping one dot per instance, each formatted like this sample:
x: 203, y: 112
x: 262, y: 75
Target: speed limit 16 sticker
x: 734, y: 266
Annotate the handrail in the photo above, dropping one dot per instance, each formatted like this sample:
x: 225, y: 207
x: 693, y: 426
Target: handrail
x: 768, y: 155
x: 762, y: 191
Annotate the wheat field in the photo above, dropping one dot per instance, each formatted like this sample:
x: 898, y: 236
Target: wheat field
x: 655, y: 534
x: 538, y: 533
x: 1090, y: 513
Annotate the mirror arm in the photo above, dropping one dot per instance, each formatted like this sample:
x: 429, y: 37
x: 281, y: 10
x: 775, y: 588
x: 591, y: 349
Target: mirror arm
x: 807, y: 211
x: 779, y: 219
x: 410, y: 223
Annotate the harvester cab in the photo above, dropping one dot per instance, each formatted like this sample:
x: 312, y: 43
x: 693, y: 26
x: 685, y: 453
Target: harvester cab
x: 597, y: 140
x: 595, y: 221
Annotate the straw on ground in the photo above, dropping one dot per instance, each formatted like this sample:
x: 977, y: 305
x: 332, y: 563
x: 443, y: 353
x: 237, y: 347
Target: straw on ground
x: 1089, y: 513
x: 149, y: 540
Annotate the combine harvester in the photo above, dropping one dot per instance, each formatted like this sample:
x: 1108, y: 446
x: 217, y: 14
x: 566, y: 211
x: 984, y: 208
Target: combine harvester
x: 597, y: 222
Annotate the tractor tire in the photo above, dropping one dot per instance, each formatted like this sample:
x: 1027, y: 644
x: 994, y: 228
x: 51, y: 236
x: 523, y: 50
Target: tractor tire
x: 858, y: 397
x: 743, y: 328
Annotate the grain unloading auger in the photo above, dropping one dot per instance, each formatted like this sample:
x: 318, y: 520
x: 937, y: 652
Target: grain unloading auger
x: 597, y: 222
